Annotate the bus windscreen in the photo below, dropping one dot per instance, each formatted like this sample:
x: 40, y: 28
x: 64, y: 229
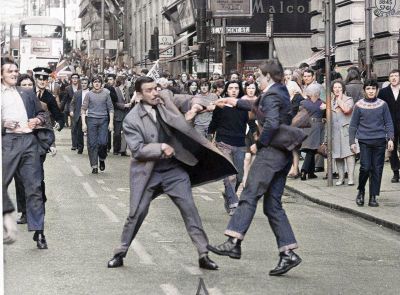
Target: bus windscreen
x: 41, y: 31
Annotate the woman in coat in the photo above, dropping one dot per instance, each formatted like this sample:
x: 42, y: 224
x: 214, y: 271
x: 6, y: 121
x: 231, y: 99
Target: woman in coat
x: 354, y: 86
x: 315, y: 133
x: 342, y: 108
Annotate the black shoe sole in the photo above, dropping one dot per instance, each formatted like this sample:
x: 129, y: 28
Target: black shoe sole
x: 222, y: 253
x: 283, y: 271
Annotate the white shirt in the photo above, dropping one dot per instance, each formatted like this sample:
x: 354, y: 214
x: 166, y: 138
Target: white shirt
x: 152, y: 112
x: 13, y: 109
x: 84, y: 92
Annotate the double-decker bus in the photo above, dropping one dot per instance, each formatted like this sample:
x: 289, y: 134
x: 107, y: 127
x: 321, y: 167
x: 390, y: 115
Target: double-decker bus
x: 40, y: 42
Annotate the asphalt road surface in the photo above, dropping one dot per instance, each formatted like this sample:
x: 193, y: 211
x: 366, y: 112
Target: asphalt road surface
x: 85, y: 213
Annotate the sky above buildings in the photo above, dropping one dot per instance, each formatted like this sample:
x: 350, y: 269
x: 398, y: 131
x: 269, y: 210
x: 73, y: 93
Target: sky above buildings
x: 11, y: 10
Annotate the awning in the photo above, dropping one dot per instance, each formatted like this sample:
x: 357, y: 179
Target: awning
x: 292, y: 51
x: 180, y: 40
x: 180, y: 56
x: 315, y: 57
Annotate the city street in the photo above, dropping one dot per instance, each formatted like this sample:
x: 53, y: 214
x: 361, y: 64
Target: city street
x: 341, y: 254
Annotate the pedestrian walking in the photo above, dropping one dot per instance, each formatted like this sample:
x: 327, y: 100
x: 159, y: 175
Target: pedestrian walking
x: 66, y: 101
x: 372, y: 125
x: 267, y: 176
x: 100, y: 114
x: 168, y: 156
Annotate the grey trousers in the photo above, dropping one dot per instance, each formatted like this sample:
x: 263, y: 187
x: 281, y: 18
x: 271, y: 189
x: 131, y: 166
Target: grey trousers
x: 176, y: 184
x: 21, y: 157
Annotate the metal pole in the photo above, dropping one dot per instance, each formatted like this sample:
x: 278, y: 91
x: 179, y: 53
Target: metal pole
x: 398, y: 51
x: 367, y: 38
x: 65, y: 31
x: 102, y: 41
x: 328, y: 87
x: 223, y: 46
x: 271, y: 39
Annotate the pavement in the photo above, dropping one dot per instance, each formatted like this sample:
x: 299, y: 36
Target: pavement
x: 343, y: 197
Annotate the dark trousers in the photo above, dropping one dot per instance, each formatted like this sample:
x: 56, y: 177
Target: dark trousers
x: 77, y: 135
x: 117, y: 138
x: 267, y: 177
x: 97, y: 137
x: 394, y: 157
x: 176, y: 184
x: 20, y: 190
x: 372, y: 160
x: 20, y: 157
x: 309, y: 161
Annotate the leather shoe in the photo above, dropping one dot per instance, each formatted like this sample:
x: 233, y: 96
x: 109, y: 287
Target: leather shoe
x: 80, y: 152
x: 73, y: 148
x: 102, y: 165
x: 372, y: 202
x: 206, y: 263
x: 312, y: 176
x: 124, y: 154
x: 40, y: 240
x: 115, y: 153
x: 360, y: 198
x: 95, y: 171
x: 319, y: 169
x: 229, y: 248
x: 303, y: 175
x: 396, y: 177
x: 22, y: 219
x: 116, y: 261
x: 286, y: 262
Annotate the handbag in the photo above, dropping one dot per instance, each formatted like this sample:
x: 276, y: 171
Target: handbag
x: 302, y: 119
x: 323, y: 150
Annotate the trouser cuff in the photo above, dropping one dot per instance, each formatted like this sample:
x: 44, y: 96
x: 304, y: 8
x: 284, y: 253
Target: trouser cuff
x: 288, y: 247
x: 233, y: 234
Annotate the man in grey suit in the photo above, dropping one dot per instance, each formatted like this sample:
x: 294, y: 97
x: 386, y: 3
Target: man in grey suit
x: 168, y: 156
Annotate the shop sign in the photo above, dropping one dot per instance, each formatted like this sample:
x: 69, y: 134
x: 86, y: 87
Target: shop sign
x: 165, y: 41
x: 231, y: 30
x: 231, y: 8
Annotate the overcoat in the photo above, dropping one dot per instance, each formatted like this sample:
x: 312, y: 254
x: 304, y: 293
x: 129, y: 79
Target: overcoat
x: 199, y: 157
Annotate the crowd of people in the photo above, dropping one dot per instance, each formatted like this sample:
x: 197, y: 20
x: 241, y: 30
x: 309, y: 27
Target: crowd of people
x: 236, y: 120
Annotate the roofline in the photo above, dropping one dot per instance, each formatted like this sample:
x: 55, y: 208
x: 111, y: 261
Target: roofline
x: 42, y: 20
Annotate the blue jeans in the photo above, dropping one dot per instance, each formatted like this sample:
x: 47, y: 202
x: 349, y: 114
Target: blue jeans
x: 97, y: 132
x: 372, y: 160
x: 236, y: 155
x: 267, y: 177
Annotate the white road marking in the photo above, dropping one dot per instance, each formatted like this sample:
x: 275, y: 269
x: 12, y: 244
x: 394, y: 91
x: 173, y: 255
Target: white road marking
x: 108, y: 212
x: 144, y: 257
x: 215, y: 291
x: 169, y: 249
x: 156, y: 235
x: 204, y: 191
x: 76, y: 171
x: 66, y: 159
x: 207, y: 198
x: 100, y: 181
x: 88, y: 188
x: 169, y: 289
x: 122, y: 205
x: 193, y: 270
x: 107, y: 189
x: 123, y: 189
x: 114, y: 197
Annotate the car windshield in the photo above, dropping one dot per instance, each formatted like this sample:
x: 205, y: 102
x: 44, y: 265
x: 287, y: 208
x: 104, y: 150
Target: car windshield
x: 41, y: 31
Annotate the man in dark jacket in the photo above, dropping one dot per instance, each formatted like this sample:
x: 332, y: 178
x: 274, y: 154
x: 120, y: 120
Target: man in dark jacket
x: 267, y: 175
x: 391, y: 95
x: 21, y: 113
x: 65, y: 105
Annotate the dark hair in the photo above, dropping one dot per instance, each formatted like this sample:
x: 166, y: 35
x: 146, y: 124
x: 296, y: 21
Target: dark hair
x: 120, y: 80
x: 371, y: 82
x: 75, y: 74
x: 304, y: 65
x: 204, y: 81
x: 144, y: 71
x: 98, y: 77
x: 341, y: 83
x: 142, y: 80
x: 354, y: 68
x: 24, y: 77
x: 394, y: 71
x: 273, y: 68
x: 189, y: 82
x: 352, y: 75
x: 241, y: 93
x: 219, y: 84
x: 247, y: 84
x: 335, y: 75
x: 6, y: 60
x: 309, y: 71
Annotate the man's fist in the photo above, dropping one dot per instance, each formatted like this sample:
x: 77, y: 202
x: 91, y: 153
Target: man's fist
x: 168, y: 151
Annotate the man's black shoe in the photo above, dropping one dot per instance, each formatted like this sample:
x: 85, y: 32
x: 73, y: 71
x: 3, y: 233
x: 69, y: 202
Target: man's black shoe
x: 206, y: 263
x: 372, y: 202
x: 229, y: 248
x: 286, y: 262
x: 73, y: 148
x: 360, y: 198
x: 312, y: 176
x: 40, y: 240
x: 22, y: 219
x: 95, y: 171
x: 115, y: 153
x: 319, y: 169
x: 80, y: 151
x: 124, y: 154
x: 102, y: 165
x: 116, y: 261
x: 396, y: 177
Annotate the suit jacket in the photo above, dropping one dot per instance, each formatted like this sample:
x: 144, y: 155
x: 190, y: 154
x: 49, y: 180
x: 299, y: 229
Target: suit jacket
x: 202, y: 160
x: 120, y: 111
x: 67, y: 98
x: 76, y: 104
x: 52, y: 106
x: 386, y: 94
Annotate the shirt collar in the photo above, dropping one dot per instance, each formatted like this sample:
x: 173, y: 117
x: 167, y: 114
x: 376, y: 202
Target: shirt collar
x: 5, y: 88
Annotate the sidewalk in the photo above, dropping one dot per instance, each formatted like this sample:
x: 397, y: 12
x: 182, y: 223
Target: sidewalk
x: 343, y: 197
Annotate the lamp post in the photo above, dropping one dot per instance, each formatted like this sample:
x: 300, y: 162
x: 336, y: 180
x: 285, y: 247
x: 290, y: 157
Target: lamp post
x: 367, y: 38
x: 398, y: 51
x: 102, y: 41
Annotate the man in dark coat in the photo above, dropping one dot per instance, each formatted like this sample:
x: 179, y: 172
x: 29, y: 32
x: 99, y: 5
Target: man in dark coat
x: 65, y: 105
x: 168, y: 156
x: 267, y: 175
x: 21, y: 114
x: 391, y: 95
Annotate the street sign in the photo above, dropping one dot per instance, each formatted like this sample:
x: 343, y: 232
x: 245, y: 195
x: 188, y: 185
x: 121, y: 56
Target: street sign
x: 111, y: 44
x: 228, y: 8
x: 231, y: 30
x: 166, y: 41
